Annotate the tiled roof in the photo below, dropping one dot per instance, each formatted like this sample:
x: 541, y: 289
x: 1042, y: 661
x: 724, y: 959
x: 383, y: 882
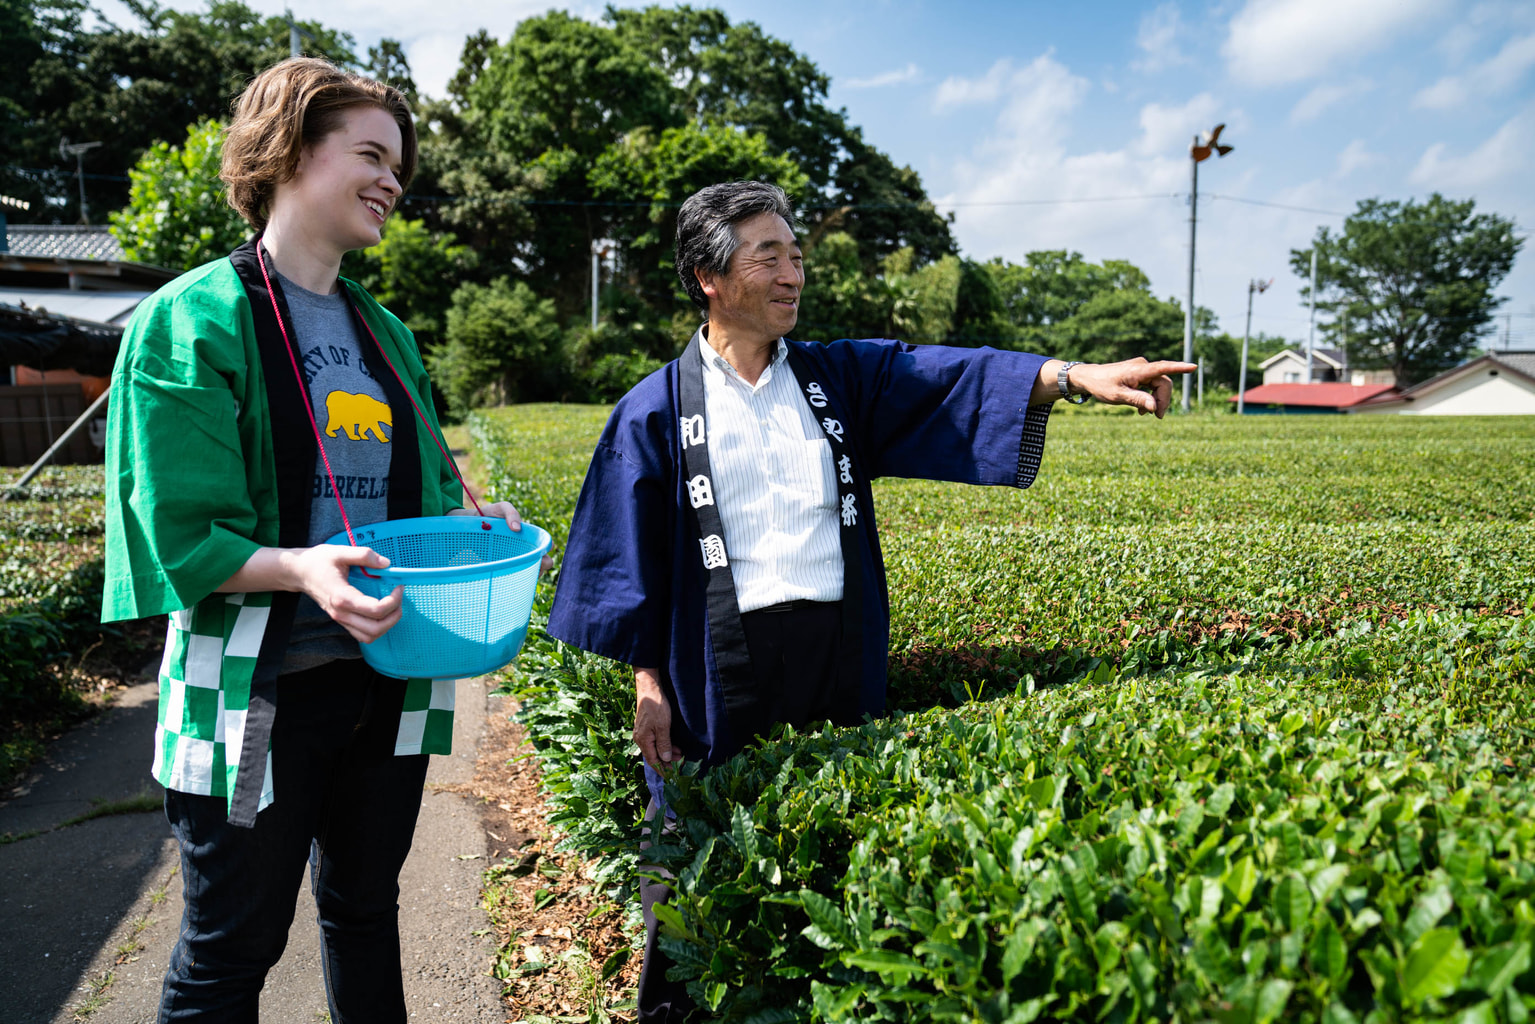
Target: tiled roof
x: 62, y: 241
x: 1524, y: 362
x: 1329, y: 394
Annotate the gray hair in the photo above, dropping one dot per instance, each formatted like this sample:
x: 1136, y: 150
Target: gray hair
x: 706, y: 228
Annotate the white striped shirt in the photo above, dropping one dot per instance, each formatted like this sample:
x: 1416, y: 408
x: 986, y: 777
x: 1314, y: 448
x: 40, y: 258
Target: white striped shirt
x: 775, y: 484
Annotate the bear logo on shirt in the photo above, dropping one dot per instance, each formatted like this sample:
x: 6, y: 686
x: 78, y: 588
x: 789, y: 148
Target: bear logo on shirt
x: 358, y: 415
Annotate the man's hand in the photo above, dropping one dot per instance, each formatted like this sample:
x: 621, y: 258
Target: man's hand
x: 321, y: 572
x: 1146, y: 386
x: 653, y: 720
x: 503, y: 510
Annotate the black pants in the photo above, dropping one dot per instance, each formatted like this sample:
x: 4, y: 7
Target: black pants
x: 344, y: 804
x: 793, y: 653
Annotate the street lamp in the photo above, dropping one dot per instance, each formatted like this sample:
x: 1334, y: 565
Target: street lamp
x: 1252, y: 286
x: 1199, y: 151
x: 78, y: 151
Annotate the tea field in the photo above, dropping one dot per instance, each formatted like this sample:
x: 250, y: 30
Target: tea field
x: 54, y: 654
x: 1221, y: 720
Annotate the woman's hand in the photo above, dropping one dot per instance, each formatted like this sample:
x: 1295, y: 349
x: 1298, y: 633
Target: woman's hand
x: 503, y: 510
x: 321, y: 572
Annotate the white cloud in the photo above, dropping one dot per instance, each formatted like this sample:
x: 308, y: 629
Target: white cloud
x: 956, y: 91
x: 1170, y: 130
x: 899, y: 76
x: 1315, y: 102
x: 1497, y: 74
x: 1158, y: 39
x: 1274, y: 42
x: 1035, y: 98
x: 1355, y: 156
x: 1034, y: 183
x: 1504, y: 157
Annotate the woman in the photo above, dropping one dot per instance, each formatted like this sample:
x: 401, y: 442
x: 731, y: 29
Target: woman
x: 219, y: 499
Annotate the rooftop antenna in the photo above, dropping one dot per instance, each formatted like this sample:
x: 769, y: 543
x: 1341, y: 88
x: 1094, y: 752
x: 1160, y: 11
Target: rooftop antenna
x: 295, y: 48
x: 78, y: 151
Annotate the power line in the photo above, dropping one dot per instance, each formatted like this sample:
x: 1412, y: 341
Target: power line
x: 1279, y: 206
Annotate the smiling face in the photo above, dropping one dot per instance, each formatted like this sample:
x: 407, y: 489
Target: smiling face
x: 759, y: 294
x: 345, y: 185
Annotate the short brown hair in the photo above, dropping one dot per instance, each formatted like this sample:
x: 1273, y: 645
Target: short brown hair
x: 294, y: 104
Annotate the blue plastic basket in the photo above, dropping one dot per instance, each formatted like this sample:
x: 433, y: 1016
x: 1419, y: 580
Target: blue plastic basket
x: 468, y: 593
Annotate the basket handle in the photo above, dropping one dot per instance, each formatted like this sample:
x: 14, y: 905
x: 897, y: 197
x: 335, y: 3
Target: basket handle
x: 308, y: 405
x: 420, y: 416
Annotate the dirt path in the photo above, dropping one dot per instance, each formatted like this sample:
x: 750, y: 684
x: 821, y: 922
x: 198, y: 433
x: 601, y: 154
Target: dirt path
x: 89, y: 912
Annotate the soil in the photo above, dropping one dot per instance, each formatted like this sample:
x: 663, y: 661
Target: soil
x: 556, y: 928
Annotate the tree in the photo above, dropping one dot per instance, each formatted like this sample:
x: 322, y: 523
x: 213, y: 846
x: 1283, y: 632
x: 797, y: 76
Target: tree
x: 128, y: 88
x: 1053, y: 285
x: 387, y: 63
x: 841, y: 298
x: 744, y: 77
x: 410, y: 271
x: 503, y: 345
x: 1410, y: 283
x: 177, y: 215
x: 1122, y: 324
x: 663, y: 171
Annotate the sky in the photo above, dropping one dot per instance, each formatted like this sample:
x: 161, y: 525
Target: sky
x: 1067, y: 125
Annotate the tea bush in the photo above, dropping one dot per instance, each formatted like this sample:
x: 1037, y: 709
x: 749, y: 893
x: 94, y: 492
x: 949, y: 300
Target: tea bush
x: 50, y: 605
x: 1224, y: 719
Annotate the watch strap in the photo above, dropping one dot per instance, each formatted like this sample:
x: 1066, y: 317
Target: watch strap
x: 1065, y: 385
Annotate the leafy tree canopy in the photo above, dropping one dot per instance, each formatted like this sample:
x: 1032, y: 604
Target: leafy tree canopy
x: 1410, y: 285
x: 125, y: 87
x: 177, y: 215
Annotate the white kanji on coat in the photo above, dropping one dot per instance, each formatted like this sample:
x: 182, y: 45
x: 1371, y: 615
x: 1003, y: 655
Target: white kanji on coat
x: 849, y: 510
x: 700, y: 493
x: 833, y: 428
x: 692, y: 429
x: 714, y: 551
x: 845, y: 464
x: 816, y: 396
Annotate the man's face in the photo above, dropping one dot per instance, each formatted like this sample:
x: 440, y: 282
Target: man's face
x: 760, y: 292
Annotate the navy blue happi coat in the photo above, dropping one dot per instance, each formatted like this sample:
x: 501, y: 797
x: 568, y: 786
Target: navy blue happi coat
x: 632, y: 584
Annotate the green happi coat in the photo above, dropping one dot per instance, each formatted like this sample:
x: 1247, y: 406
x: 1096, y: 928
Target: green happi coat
x: 210, y: 455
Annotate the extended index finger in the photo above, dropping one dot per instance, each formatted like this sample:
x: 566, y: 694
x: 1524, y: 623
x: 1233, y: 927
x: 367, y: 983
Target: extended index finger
x: 1164, y: 368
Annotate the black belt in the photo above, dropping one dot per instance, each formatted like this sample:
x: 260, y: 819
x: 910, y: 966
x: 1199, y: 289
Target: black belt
x: 800, y: 605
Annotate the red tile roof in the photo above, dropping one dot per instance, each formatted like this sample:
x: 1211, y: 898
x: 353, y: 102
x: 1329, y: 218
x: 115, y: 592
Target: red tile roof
x: 1329, y: 394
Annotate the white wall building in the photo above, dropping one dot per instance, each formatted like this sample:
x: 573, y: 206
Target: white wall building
x: 1497, y: 384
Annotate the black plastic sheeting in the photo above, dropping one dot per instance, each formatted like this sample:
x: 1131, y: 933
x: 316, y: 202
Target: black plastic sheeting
x: 43, y: 341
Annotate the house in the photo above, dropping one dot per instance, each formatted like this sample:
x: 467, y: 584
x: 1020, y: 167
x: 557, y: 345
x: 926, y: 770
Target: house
x: 65, y: 294
x: 1497, y: 384
x: 1327, y: 365
x: 1322, y: 397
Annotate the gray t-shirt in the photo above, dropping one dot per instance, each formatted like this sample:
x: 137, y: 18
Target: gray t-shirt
x: 355, y: 421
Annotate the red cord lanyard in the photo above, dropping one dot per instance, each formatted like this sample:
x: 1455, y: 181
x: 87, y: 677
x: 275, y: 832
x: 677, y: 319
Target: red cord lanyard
x: 309, y: 406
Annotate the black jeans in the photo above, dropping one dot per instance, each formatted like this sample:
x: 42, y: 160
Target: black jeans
x: 794, y: 662
x: 345, y: 805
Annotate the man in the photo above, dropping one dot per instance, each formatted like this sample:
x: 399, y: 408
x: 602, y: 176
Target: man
x: 724, y: 542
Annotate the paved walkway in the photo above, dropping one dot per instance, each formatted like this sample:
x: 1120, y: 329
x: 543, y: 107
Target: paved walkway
x: 73, y: 900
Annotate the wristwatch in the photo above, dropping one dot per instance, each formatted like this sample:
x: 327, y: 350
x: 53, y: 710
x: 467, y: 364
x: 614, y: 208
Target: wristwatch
x: 1065, y: 386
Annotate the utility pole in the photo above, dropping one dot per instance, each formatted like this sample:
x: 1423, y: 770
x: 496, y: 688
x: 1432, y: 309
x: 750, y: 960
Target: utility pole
x: 1252, y: 286
x: 598, y: 252
x: 1200, y: 150
x: 1311, y: 330
x: 78, y: 151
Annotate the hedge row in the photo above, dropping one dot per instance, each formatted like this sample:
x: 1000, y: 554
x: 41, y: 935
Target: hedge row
x: 1223, y: 720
